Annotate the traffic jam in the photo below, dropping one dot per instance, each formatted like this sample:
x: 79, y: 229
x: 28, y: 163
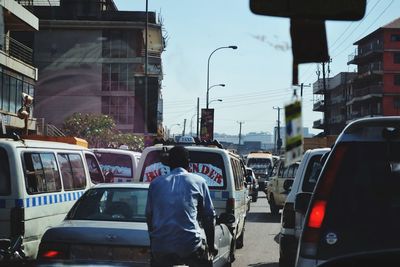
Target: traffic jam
x: 188, y: 200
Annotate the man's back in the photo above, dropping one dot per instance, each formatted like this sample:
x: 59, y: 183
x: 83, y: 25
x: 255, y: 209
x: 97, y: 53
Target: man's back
x: 174, y: 203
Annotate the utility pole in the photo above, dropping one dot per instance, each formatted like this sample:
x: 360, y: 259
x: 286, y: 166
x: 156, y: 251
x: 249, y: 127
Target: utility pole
x: 184, y: 127
x: 240, y: 131
x: 146, y: 62
x: 301, y: 88
x: 198, y: 117
x: 326, y: 126
x: 279, y: 139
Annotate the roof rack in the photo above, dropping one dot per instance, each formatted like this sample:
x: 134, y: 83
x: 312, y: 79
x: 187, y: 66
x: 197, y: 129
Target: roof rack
x: 197, y: 142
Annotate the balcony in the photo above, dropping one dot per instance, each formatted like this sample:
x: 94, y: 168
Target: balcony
x: 366, y: 93
x: 337, y: 119
x: 337, y: 99
x: 366, y: 54
x: 17, y: 50
x: 318, y: 124
x: 319, y: 106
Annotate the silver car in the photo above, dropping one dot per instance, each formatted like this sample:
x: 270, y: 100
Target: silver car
x: 108, y: 223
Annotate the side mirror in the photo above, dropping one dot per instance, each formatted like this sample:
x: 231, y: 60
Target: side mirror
x: 287, y: 184
x: 226, y: 218
x: 301, y: 202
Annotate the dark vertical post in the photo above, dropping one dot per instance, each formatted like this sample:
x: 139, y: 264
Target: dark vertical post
x: 145, y: 72
x: 325, y: 122
x: 198, y: 117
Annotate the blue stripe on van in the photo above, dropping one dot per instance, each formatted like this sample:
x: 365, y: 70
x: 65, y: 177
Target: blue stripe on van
x: 225, y: 194
x: 28, y: 204
x: 19, y: 203
x: 2, y: 203
x: 34, y: 202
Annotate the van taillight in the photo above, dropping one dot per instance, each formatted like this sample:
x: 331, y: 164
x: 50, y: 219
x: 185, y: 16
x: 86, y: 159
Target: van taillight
x: 312, y: 227
x: 288, y: 216
x: 230, y: 205
x: 317, y: 214
x: 17, y: 217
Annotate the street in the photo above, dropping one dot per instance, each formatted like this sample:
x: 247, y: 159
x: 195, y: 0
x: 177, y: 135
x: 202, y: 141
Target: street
x: 260, y: 244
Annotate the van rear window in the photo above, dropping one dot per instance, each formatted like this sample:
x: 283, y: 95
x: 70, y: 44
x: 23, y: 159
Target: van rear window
x: 5, y: 182
x: 208, y: 165
x: 119, y: 165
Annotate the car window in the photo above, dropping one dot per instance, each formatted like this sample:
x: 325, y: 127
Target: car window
x: 95, y: 172
x: 370, y: 183
x: 5, y: 179
x: 41, y: 172
x: 120, y: 165
x: 111, y: 204
x: 312, y: 173
x: 208, y: 165
x: 286, y: 172
x: 72, y: 171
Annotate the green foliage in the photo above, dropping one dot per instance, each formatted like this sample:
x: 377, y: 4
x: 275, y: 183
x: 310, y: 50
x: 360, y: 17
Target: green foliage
x: 100, y: 131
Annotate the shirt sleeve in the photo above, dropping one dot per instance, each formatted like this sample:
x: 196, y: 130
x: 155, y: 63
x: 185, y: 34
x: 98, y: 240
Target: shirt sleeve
x: 208, y: 206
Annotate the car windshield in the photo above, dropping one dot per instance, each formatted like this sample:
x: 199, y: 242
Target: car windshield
x: 259, y: 162
x: 111, y: 204
x: 208, y: 165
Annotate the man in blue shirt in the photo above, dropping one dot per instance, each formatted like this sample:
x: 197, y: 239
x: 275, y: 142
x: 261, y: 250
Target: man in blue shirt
x: 176, y: 203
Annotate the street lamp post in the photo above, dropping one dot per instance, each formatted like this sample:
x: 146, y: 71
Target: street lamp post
x: 208, y: 67
x: 208, y: 92
x: 215, y: 100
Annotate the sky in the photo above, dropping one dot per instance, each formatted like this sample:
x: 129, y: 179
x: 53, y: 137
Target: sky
x: 257, y: 76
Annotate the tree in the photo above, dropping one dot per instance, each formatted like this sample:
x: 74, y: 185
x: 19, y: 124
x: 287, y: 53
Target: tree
x: 100, y: 131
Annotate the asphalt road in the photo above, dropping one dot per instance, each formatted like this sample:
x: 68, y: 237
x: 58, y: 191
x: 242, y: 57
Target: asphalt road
x: 261, y: 247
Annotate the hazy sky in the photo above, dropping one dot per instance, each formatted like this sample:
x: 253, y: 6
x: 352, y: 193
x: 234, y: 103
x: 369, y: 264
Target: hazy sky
x: 257, y: 75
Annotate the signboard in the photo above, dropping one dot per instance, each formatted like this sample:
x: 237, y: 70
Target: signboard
x: 210, y: 173
x: 207, y: 124
x: 294, y: 133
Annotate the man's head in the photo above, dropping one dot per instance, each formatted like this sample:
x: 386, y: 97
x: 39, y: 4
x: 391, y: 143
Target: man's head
x: 178, y: 157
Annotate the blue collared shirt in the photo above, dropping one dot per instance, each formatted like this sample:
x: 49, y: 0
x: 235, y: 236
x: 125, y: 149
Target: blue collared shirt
x: 173, y: 205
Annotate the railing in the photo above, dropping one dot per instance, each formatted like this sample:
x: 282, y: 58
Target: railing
x: 318, y: 123
x: 368, y: 90
x: 39, y: 2
x: 52, y: 130
x: 337, y: 99
x: 318, y: 105
x: 372, y: 67
x: 366, y: 50
x: 17, y: 50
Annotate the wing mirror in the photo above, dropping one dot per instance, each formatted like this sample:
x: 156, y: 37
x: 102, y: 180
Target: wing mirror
x: 287, y: 184
x: 226, y: 218
x: 301, y: 202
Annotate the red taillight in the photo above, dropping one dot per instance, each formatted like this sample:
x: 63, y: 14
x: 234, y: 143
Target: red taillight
x: 50, y: 254
x: 317, y: 214
x: 230, y: 205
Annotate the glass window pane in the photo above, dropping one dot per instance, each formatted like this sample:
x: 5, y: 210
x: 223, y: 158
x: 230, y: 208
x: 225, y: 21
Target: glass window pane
x: 78, y: 171
x: 5, y: 180
x: 66, y: 172
x: 13, y: 95
x: 52, y: 176
x: 6, y: 92
x: 96, y: 174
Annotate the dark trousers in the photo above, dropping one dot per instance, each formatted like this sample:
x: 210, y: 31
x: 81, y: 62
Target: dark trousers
x: 196, y: 259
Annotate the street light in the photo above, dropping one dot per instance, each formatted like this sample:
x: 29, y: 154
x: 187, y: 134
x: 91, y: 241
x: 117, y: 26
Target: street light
x: 208, y: 92
x: 208, y: 67
x: 170, y: 128
x: 215, y: 100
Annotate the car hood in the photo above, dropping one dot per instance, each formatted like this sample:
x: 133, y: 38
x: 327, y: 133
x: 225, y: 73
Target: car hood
x: 99, y: 232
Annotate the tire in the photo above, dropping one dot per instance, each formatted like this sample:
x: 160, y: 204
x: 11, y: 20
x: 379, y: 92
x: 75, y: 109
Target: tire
x: 240, y: 240
x: 272, y: 206
x: 254, y: 197
x: 284, y: 263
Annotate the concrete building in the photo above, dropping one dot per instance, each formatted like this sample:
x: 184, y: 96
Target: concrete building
x: 376, y: 89
x: 332, y: 102
x: 91, y: 59
x: 17, y: 71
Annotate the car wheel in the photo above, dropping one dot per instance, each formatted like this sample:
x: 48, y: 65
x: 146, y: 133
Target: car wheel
x: 272, y: 206
x: 240, y: 240
x: 285, y: 262
x: 254, y: 197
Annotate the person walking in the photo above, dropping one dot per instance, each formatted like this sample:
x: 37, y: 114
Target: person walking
x: 177, y: 204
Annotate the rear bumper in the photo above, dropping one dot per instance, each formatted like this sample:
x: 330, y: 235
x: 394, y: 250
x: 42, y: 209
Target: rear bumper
x: 288, y: 248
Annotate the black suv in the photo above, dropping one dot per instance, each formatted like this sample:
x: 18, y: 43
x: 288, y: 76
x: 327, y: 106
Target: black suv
x: 356, y: 203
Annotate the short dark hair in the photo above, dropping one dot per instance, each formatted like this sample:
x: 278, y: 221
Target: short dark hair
x: 178, y: 157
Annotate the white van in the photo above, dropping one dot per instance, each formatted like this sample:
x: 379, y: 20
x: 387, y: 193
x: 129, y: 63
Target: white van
x: 39, y: 183
x: 120, y: 162
x: 262, y: 163
x: 223, y: 171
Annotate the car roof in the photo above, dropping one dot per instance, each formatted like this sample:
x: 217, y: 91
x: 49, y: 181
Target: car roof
x: 369, y: 129
x: 194, y: 148
x: 123, y: 185
x: 117, y: 151
x: 39, y: 144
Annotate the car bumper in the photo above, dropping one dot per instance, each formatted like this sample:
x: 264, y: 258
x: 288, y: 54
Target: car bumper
x: 288, y: 248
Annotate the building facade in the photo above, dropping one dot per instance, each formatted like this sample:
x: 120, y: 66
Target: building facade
x: 17, y: 72
x: 91, y: 59
x: 332, y: 102
x: 376, y: 89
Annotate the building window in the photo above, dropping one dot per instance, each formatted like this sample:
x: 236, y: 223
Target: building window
x: 396, y: 57
x: 121, y: 43
x: 121, y: 108
x: 397, y: 79
x: 396, y: 102
x: 119, y: 76
x: 11, y: 89
x: 395, y: 37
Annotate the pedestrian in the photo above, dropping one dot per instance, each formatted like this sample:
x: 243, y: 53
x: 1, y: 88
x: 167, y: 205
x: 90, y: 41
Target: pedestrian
x: 177, y: 204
